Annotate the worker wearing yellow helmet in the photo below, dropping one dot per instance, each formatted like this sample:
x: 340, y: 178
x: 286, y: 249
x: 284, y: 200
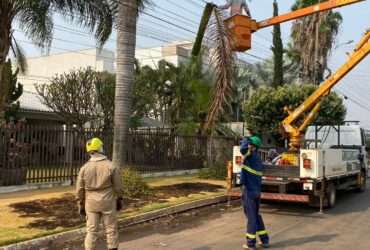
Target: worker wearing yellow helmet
x: 236, y: 7
x: 99, y: 196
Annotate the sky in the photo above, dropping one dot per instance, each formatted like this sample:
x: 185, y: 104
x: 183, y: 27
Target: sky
x: 173, y: 20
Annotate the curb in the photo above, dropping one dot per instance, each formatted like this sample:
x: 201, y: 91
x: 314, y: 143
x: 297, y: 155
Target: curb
x: 45, y: 243
x: 30, y: 187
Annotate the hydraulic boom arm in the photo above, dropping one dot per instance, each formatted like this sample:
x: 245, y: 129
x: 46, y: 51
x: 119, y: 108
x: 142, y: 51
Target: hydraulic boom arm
x: 242, y: 27
x: 324, y: 6
x: 293, y: 125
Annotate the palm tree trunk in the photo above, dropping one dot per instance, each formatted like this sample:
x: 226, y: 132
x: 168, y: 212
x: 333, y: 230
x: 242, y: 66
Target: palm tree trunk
x: 4, y: 50
x: 126, y: 42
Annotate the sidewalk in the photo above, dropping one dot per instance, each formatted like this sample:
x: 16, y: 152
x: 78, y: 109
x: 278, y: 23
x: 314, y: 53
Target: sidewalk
x: 31, y: 214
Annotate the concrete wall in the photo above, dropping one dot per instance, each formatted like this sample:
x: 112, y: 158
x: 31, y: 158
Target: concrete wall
x: 40, y: 69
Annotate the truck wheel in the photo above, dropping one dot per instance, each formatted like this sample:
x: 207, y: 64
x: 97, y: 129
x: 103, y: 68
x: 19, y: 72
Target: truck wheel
x: 362, y: 187
x: 331, y: 196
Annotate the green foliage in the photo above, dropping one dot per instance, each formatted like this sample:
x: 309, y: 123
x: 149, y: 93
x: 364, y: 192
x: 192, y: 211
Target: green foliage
x: 73, y: 97
x: 218, y: 172
x: 10, y: 91
x: 105, y: 90
x: 134, y: 185
x: 264, y: 111
x: 187, y: 128
x: 176, y: 93
x: 278, y: 51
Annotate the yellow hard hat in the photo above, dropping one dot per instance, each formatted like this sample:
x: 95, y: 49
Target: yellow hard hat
x: 95, y: 144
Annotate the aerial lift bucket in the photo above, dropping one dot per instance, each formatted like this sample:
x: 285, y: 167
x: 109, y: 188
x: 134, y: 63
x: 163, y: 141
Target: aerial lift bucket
x: 240, y: 29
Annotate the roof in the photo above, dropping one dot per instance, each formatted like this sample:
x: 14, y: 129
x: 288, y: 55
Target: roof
x: 31, y: 108
x: 31, y: 101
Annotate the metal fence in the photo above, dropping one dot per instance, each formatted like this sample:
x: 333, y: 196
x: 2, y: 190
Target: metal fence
x: 51, y: 154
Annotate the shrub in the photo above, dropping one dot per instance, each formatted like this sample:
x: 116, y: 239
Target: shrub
x: 218, y: 171
x: 134, y: 185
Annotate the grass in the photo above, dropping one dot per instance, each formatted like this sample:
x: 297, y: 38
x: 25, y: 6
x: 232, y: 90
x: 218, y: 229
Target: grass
x: 14, y: 226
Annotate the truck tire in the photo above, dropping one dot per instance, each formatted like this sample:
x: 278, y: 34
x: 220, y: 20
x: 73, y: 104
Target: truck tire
x: 362, y: 186
x: 331, y: 196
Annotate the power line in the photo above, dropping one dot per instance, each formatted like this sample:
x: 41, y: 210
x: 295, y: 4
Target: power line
x: 176, y: 14
x: 170, y: 23
x: 85, y: 34
x: 182, y: 8
x: 89, y: 46
x: 357, y: 95
x: 196, y: 3
x: 353, y: 100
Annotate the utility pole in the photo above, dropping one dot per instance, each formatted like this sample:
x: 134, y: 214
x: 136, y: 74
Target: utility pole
x: 316, y: 56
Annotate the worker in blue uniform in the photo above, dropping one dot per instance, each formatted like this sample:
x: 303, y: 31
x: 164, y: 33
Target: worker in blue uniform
x: 251, y: 180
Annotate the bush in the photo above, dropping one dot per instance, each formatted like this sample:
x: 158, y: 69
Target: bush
x: 218, y: 171
x: 264, y: 111
x: 134, y: 185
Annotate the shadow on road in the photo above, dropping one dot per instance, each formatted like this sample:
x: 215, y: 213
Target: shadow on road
x: 289, y: 209
x: 351, y: 202
x: 296, y: 242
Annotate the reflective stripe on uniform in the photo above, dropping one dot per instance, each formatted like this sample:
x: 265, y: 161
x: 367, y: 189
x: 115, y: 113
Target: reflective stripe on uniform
x: 262, y: 232
x: 250, y: 236
x: 251, y: 170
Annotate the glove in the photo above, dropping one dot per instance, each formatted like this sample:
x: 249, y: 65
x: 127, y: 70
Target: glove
x: 82, y: 211
x: 119, y: 204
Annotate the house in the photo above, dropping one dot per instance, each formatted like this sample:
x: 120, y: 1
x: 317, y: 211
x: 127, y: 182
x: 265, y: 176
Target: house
x: 41, y: 69
x: 35, y: 113
x: 175, y: 53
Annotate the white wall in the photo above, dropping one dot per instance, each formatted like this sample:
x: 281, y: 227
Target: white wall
x: 40, y: 69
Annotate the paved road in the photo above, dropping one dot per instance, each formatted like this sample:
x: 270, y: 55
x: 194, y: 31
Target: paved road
x: 292, y: 226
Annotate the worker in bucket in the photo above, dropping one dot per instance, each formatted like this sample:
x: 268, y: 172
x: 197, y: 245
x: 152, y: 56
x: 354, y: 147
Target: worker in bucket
x: 251, y: 180
x: 236, y: 7
x: 98, y: 191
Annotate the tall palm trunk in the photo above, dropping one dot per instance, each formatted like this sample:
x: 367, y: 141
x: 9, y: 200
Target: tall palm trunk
x: 5, y: 42
x: 126, y: 42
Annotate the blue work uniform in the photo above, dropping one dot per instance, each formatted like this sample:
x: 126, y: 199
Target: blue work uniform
x: 251, y: 180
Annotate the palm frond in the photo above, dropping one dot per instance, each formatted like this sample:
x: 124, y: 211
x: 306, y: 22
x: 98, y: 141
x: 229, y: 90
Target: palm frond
x: 222, y: 60
x: 96, y: 15
x: 36, y: 21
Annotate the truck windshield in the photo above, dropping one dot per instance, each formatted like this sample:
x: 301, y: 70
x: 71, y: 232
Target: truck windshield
x: 327, y: 136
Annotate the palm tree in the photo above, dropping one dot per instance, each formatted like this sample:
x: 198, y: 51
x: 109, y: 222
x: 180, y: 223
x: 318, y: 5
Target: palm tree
x: 126, y: 42
x: 222, y: 61
x: 305, y: 45
x: 35, y: 18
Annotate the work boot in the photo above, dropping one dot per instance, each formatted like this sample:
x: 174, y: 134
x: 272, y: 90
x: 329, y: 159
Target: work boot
x: 265, y: 245
x: 249, y: 248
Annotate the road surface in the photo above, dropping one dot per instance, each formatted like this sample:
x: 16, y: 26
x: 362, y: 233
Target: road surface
x: 291, y: 226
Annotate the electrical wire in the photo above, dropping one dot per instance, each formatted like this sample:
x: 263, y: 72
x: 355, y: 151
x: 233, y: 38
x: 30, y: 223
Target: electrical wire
x: 354, y: 101
x: 182, y: 8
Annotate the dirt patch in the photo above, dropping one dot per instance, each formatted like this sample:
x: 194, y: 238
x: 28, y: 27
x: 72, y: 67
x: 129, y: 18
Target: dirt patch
x: 62, y: 212
x: 50, y: 213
